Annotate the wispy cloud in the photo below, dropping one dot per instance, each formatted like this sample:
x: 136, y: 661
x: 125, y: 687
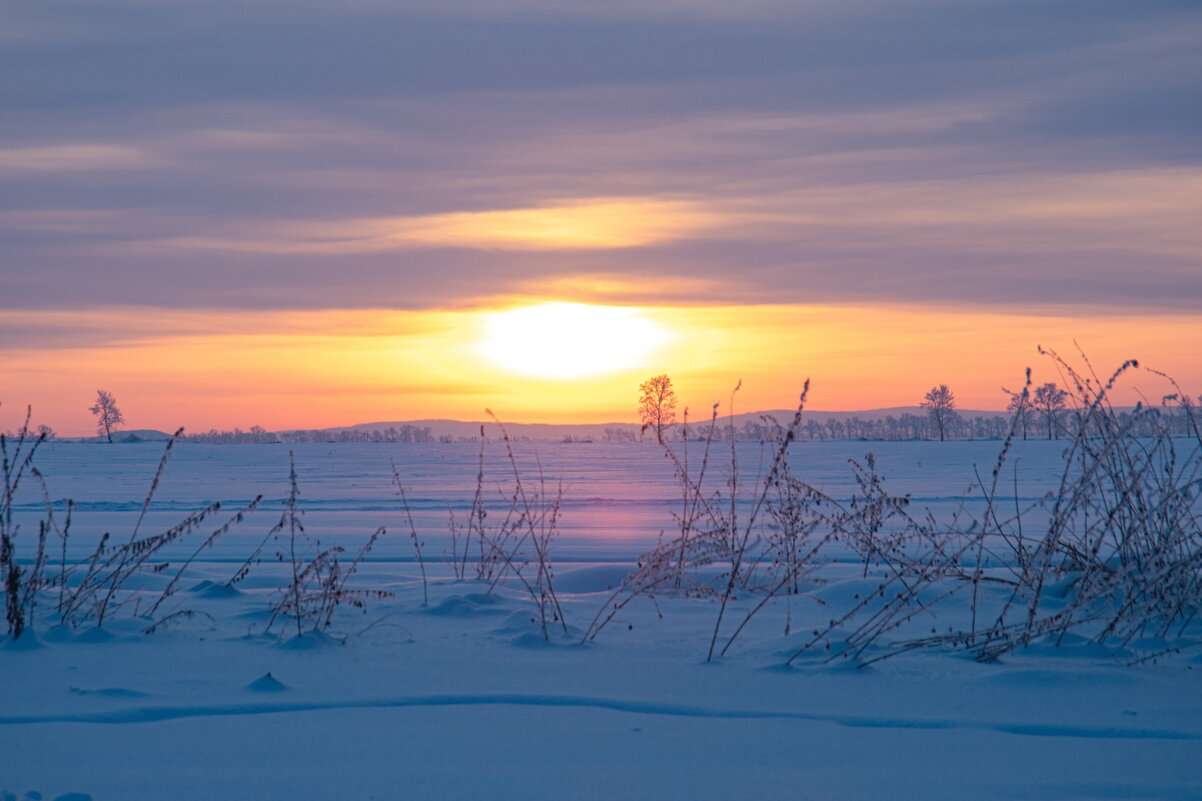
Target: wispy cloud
x: 77, y: 157
x: 583, y: 224
x: 441, y: 154
x: 62, y: 221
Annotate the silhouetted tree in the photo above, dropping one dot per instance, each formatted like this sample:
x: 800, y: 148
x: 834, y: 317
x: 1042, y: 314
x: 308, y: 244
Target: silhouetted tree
x: 940, y: 404
x: 615, y: 434
x: 657, y: 405
x: 1049, y: 400
x: 1020, y: 407
x: 107, y: 414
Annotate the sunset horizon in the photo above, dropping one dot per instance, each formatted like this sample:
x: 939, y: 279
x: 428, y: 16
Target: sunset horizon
x: 277, y: 371
x: 324, y: 242
x: 600, y: 400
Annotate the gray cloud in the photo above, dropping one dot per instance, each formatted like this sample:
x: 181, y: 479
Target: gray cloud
x: 957, y: 152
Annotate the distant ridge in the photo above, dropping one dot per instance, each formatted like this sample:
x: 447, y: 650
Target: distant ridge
x: 133, y: 435
x: 596, y: 431
x: 557, y: 432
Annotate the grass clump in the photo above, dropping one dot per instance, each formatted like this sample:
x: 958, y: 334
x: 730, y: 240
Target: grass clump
x: 319, y: 578
x: 1113, y: 556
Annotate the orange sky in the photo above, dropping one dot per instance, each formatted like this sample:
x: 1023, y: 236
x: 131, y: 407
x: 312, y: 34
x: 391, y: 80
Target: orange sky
x: 337, y: 214
x: 292, y: 369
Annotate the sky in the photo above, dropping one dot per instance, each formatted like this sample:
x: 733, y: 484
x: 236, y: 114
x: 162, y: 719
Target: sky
x: 303, y: 214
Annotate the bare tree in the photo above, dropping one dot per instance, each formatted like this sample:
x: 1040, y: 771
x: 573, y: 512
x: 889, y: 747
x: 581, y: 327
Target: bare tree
x: 657, y: 405
x: 1049, y: 400
x: 107, y: 414
x: 1020, y: 407
x: 616, y: 434
x: 940, y: 404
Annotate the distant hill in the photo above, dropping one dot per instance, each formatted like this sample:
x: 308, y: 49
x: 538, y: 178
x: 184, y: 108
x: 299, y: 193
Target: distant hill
x: 559, y: 432
x: 596, y: 431
x: 135, y: 435
x: 784, y: 415
x: 471, y: 428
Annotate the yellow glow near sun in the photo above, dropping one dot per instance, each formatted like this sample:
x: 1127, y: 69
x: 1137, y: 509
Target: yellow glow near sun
x: 569, y: 340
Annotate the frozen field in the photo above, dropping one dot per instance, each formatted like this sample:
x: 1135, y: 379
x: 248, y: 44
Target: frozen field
x: 461, y: 698
x: 617, y: 497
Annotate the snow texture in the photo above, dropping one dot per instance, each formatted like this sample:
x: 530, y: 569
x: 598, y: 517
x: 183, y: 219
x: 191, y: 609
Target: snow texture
x: 463, y: 699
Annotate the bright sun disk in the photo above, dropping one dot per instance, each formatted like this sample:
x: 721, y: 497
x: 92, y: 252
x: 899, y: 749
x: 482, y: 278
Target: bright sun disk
x: 569, y: 340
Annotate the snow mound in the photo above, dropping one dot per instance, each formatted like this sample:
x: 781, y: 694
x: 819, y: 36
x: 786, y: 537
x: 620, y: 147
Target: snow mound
x: 267, y: 683
x: 214, y: 591
x: 471, y: 605
x: 522, y: 629
x: 58, y: 633
x: 94, y: 636
x: 593, y: 579
x: 28, y: 641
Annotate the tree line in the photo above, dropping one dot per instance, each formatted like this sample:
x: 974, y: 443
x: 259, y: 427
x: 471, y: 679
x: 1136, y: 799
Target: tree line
x: 1043, y: 412
x: 259, y: 435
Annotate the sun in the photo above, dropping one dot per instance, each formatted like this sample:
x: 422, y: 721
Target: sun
x: 569, y: 340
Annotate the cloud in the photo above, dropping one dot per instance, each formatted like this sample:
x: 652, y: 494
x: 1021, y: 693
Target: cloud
x: 977, y: 153
x: 76, y: 157
x: 595, y: 224
x: 60, y: 221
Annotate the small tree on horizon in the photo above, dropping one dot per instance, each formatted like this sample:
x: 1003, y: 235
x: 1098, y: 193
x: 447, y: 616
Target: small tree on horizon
x: 657, y: 405
x: 107, y: 414
x: 940, y: 404
x: 1019, y: 406
x: 1049, y: 400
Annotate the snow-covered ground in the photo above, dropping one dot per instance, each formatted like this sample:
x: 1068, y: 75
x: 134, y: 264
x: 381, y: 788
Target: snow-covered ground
x: 462, y: 698
x: 617, y: 497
